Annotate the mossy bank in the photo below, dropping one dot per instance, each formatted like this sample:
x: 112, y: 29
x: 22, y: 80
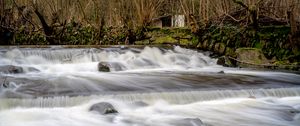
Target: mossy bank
x: 269, y: 45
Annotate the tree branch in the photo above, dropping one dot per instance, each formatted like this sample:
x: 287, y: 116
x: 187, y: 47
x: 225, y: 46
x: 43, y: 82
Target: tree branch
x: 240, y: 2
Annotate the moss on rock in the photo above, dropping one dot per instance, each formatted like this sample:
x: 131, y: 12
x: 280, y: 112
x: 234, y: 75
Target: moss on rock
x: 185, y: 42
x: 230, y: 52
x: 165, y: 40
x: 251, y: 55
x: 219, y: 48
x: 143, y: 42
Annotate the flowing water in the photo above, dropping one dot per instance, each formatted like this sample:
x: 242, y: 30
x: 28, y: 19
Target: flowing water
x: 148, y: 87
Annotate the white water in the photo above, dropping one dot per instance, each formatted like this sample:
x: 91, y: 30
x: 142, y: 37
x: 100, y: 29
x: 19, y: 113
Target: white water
x: 178, y: 97
x: 177, y: 84
x: 237, y: 112
x: 79, y: 60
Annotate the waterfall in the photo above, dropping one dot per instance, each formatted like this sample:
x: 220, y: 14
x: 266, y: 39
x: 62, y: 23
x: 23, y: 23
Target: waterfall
x: 178, y: 97
x: 149, y: 57
x: 149, y: 86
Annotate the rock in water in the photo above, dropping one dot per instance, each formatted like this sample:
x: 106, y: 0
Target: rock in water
x: 104, y: 67
x: 110, y: 66
x: 11, y: 69
x: 221, y: 72
x: 103, y: 108
x: 225, y: 61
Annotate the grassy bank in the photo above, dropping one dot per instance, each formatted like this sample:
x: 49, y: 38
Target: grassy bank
x: 269, y: 47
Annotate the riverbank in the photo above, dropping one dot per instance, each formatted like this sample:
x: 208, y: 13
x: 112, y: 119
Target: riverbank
x: 250, y: 62
x: 84, y: 46
x: 270, y: 47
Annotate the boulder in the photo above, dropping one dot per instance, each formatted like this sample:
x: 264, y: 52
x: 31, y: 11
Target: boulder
x: 221, y: 72
x: 230, y: 52
x: 103, y: 108
x: 9, y: 69
x: 251, y: 55
x: 110, y: 66
x: 225, y: 61
x: 104, y: 67
x: 219, y: 48
x: 205, y: 44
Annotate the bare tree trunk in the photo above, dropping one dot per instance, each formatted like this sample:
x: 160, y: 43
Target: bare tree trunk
x: 146, y: 10
x: 292, y: 21
x: 2, y: 7
x: 254, y: 20
x: 47, y: 29
x: 253, y: 13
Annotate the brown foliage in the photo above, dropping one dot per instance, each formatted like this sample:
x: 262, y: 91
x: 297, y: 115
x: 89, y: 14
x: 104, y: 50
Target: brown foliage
x: 136, y: 14
x: 140, y: 12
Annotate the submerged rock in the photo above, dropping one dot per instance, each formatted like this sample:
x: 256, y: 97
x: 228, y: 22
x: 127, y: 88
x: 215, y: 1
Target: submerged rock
x: 9, y: 69
x: 15, y: 95
x: 252, y: 97
x: 103, y: 108
x: 139, y: 104
x: 221, y: 72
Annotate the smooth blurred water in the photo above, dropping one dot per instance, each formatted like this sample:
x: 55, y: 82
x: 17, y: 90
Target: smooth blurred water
x: 177, y: 84
x: 228, y: 112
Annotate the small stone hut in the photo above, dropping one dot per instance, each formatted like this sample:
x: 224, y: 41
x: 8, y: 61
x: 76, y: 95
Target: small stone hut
x: 169, y: 21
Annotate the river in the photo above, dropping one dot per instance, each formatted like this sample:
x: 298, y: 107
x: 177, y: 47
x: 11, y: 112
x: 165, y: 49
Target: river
x: 178, y: 87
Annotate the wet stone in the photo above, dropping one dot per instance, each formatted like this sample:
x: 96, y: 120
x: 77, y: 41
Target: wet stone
x: 9, y: 69
x: 103, y: 108
x: 103, y: 67
x: 110, y: 66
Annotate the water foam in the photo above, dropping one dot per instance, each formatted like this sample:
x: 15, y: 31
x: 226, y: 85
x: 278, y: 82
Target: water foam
x: 178, y: 97
x: 147, y: 58
x: 226, y: 112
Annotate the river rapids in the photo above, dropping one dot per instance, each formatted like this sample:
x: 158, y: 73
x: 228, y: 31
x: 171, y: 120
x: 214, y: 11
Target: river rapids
x: 148, y: 87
